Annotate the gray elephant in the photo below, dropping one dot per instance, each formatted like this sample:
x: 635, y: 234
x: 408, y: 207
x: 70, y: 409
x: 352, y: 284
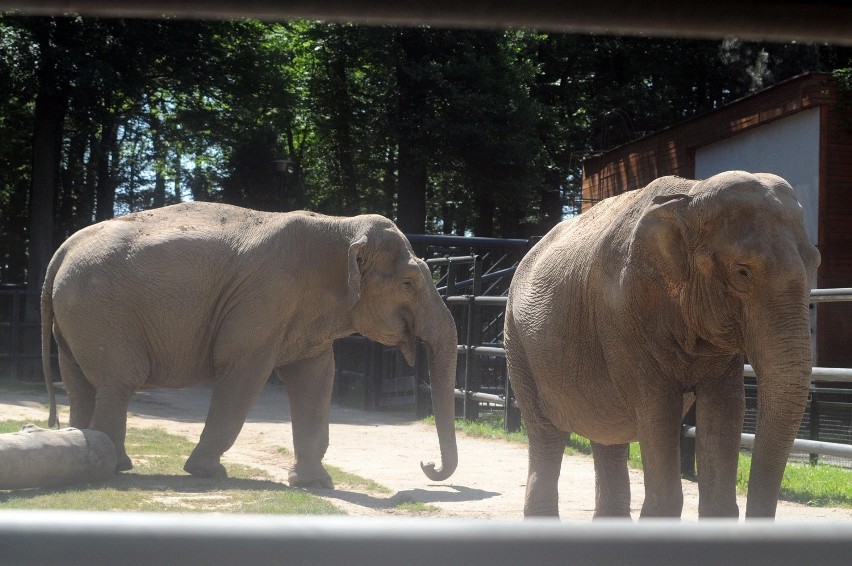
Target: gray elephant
x: 618, y: 319
x: 208, y: 293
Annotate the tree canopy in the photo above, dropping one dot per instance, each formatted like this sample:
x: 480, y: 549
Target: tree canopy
x: 445, y: 131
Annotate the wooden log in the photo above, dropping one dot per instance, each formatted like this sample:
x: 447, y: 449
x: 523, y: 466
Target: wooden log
x: 38, y: 457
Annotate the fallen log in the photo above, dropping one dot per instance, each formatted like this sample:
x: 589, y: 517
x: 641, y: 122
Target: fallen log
x: 38, y: 457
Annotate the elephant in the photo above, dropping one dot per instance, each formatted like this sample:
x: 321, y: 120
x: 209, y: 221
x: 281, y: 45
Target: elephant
x: 621, y: 318
x: 203, y: 292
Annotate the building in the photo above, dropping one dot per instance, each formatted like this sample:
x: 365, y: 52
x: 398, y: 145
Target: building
x: 800, y: 129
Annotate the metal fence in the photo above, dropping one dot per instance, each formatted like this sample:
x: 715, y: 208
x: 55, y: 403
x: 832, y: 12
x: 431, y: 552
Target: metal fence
x: 80, y: 538
x: 826, y: 428
x: 20, y: 333
x: 373, y: 376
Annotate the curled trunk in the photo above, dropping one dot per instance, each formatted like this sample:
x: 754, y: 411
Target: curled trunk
x: 439, y: 338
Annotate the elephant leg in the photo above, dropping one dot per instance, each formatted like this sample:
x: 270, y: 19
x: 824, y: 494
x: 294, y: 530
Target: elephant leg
x: 546, y: 442
x: 659, y: 439
x: 234, y: 392
x: 719, y: 416
x: 546, y: 447
x: 612, y: 482
x: 309, y: 386
x: 110, y: 417
x: 81, y: 393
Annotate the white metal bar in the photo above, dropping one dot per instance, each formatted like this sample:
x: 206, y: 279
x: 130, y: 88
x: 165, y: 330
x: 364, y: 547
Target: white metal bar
x: 800, y: 445
x: 84, y: 538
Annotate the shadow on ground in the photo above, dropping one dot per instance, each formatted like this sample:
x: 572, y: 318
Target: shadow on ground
x: 173, y: 484
x: 457, y: 495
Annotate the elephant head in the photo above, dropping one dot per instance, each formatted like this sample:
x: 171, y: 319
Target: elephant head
x: 396, y: 302
x: 733, y: 253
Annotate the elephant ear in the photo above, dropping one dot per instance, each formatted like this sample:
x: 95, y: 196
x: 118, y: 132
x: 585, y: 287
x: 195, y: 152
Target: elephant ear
x: 658, y: 245
x: 355, y: 265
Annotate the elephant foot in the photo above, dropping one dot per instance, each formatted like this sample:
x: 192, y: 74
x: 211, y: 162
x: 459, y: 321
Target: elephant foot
x: 123, y: 463
x: 612, y: 514
x: 316, y: 478
x: 199, y: 469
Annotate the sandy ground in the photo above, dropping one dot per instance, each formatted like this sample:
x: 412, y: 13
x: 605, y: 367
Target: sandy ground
x: 387, y: 448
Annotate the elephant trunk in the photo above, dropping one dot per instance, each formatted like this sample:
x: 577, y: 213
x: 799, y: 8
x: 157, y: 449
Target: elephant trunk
x: 440, y: 341
x: 780, y: 352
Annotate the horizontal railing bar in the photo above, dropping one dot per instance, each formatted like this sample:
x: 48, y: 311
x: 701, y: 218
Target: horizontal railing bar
x: 800, y: 445
x: 834, y: 375
x: 488, y: 276
x: 484, y: 397
x: 78, y: 537
x: 456, y: 260
x: 494, y: 301
x: 830, y: 295
x: 817, y: 295
x: 483, y: 350
x: 466, y: 241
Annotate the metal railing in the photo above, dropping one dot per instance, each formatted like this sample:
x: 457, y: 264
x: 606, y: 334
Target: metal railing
x: 81, y: 538
x: 471, y: 350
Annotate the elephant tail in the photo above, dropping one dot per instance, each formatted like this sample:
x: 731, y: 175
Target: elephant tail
x: 46, y: 332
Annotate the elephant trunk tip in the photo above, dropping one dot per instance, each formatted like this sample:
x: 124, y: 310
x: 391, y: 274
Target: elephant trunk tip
x: 438, y: 474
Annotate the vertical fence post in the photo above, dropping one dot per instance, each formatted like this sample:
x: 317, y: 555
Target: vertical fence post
x: 14, y: 334
x: 814, y: 424
x: 473, y: 337
x: 687, y: 448
x: 373, y: 379
x: 511, y: 415
x: 451, y: 292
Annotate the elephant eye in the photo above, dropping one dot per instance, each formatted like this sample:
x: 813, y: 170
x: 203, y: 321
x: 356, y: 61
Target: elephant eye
x: 743, y: 271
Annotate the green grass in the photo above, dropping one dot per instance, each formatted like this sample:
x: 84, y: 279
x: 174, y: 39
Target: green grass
x: 158, y: 483
x: 355, y: 482
x: 821, y: 485
x: 412, y: 507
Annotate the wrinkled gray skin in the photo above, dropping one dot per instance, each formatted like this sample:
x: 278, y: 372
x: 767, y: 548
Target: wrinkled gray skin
x: 620, y: 317
x: 208, y: 293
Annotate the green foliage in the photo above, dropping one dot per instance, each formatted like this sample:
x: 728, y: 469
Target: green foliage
x: 456, y: 131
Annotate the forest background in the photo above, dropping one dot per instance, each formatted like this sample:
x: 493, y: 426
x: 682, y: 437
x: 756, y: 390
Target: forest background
x: 445, y: 131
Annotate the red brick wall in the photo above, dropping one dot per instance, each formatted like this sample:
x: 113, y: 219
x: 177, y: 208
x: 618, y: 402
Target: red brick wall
x: 672, y: 151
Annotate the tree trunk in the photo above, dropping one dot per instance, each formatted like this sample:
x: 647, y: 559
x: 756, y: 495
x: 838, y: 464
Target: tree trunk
x: 105, y: 189
x: 484, y: 223
x: 411, y: 195
x: 342, y: 134
x: 411, y: 112
x: 51, y: 104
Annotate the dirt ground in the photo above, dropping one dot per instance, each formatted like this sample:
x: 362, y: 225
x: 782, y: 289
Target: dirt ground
x: 387, y: 448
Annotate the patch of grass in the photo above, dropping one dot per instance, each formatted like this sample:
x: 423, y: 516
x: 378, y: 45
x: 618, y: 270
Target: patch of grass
x: 158, y: 483
x: 412, y: 507
x: 15, y: 426
x: 819, y: 485
x: 353, y: 481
